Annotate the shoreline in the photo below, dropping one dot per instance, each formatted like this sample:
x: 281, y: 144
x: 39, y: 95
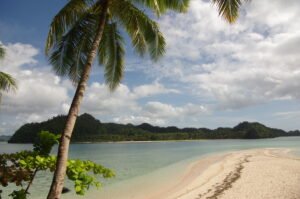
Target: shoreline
x: 248, y: 174
x: 154, y: 141
x: 268, y: 173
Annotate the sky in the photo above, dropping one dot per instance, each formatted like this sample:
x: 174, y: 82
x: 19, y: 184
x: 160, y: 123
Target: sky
x: 213, y: 74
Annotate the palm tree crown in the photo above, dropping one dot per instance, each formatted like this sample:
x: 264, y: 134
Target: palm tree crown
x: 73, y: 29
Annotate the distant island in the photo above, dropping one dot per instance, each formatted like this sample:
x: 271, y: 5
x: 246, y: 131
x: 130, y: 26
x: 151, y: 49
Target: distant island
x: 89, y: 129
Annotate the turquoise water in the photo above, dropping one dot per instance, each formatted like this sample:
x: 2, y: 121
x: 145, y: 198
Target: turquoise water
x: 144, y: 161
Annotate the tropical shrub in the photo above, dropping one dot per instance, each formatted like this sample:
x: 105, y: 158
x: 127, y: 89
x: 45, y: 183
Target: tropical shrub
x: 21, y: 168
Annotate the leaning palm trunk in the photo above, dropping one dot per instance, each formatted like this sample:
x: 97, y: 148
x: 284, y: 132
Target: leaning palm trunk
x: 63, y: 149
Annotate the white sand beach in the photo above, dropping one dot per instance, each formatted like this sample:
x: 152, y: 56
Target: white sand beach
x: 251, y: 174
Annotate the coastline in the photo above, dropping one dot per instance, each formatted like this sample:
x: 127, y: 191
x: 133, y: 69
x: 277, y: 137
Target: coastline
x: 247, y: 174
x: 155, y: 141
x: 142, y: 141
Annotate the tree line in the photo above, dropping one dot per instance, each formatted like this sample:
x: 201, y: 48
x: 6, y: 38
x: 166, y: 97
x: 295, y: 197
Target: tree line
x: 89, y: 129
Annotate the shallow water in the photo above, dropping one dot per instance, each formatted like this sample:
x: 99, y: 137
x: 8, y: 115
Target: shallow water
x: 146, y: 163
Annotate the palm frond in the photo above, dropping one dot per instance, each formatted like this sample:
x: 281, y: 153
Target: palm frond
x: 102, y: 49
x: 228, y: 9
x: 114, y: 55
x: 70, y: 53
x: 161, y: 6
x: 65, y: 19
x: 156, y: 45
x: 2, y: 51
x: 177, y: 5
x: 7, y: 82
x: 143, y: 31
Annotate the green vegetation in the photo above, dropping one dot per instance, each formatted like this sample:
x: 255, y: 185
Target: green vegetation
x: 88, y: 129
x: 21, y: 168
x: 229, y: 10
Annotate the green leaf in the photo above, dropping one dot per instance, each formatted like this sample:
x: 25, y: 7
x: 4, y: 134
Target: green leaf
x: 229, y: 9
x: 114, y: 53
x: 78, y: 189
x: 22, y: 163
x: 44, y: 143
x: 2, y: 51
x: 144, y: 32
x: 7, y: 83
x: 65, y: 19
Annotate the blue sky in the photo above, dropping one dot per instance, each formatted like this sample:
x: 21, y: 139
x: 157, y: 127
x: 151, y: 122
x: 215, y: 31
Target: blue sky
x: 213, y: 74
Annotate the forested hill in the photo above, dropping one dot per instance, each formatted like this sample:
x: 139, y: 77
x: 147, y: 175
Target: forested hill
x: 89, y: 129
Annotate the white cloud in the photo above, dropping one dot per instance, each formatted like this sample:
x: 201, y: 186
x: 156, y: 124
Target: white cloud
x: 287, y: 114
x: 123, y: 105
x: 17, y: 55
x: 99, y: 100
x: 152, y: 89
x: 167, y: 111
x: 158, y: 113
x: 40, y: 93
x: 253, y: 61
x: 139, y: 120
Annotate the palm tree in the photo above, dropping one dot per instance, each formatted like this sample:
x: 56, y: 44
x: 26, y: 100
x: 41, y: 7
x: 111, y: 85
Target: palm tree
x: 86, y: 29
x: 7, y: 82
